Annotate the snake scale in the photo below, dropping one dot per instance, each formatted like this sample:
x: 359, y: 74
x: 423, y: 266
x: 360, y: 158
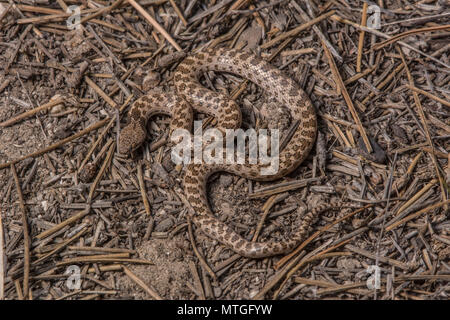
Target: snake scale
x: 191, y: 94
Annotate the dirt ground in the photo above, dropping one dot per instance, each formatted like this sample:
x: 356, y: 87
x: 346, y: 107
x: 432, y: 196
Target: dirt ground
x: 65, y: 188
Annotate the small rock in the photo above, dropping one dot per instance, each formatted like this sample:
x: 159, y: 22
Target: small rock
x: 348, y: 263
x: 164, y: 225
x: 399, y: 133
x: 44, y: 205
x: 74, y: 79
x: 253, y: 293
x: 225, y: 180
x: 88, y: 173
x: 357, y: 223
x: 251, y: 36
x: 378, y: 154
x: 217, y: 292
x: 159, y: 170
x: 151, y: 80
x: 227, y: 209
x: 59, y: 107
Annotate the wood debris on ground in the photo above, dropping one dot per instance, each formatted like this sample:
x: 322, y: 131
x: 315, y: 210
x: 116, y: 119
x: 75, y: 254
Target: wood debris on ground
x: 378, y: 74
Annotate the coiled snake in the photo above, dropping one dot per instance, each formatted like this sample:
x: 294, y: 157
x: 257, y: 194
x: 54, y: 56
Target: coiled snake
x: 191, y: 94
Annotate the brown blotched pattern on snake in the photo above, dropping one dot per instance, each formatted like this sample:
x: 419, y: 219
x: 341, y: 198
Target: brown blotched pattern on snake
x: 191, y: 94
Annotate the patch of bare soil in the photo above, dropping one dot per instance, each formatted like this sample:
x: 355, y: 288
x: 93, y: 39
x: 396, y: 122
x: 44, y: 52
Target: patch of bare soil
x: 168, y: 273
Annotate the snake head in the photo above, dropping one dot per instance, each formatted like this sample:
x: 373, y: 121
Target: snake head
x: 131, y: 138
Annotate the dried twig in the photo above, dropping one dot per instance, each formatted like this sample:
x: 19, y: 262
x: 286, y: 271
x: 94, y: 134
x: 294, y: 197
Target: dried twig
x: 26, y: 237
x: 2, y: 262
x: 348, y: 100
x: 155, y: 24
x: 417, y: 214
x: 381, y: 34
x: 57, y: 144
x: 106, y: 162
x: 361, y: 37
x: 61, y: 246
x: 61, y: 225
x: 425, y: 126
x: 296, y: 257
x: 31, y: 112
x: 395, y: 38
x: 197, y: 253
x: 429, y: 95
x: 142, y: 284
x: 297, y: 30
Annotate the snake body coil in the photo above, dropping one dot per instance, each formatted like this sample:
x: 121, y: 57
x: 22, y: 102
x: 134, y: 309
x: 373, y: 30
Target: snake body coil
x: 191, y: 94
